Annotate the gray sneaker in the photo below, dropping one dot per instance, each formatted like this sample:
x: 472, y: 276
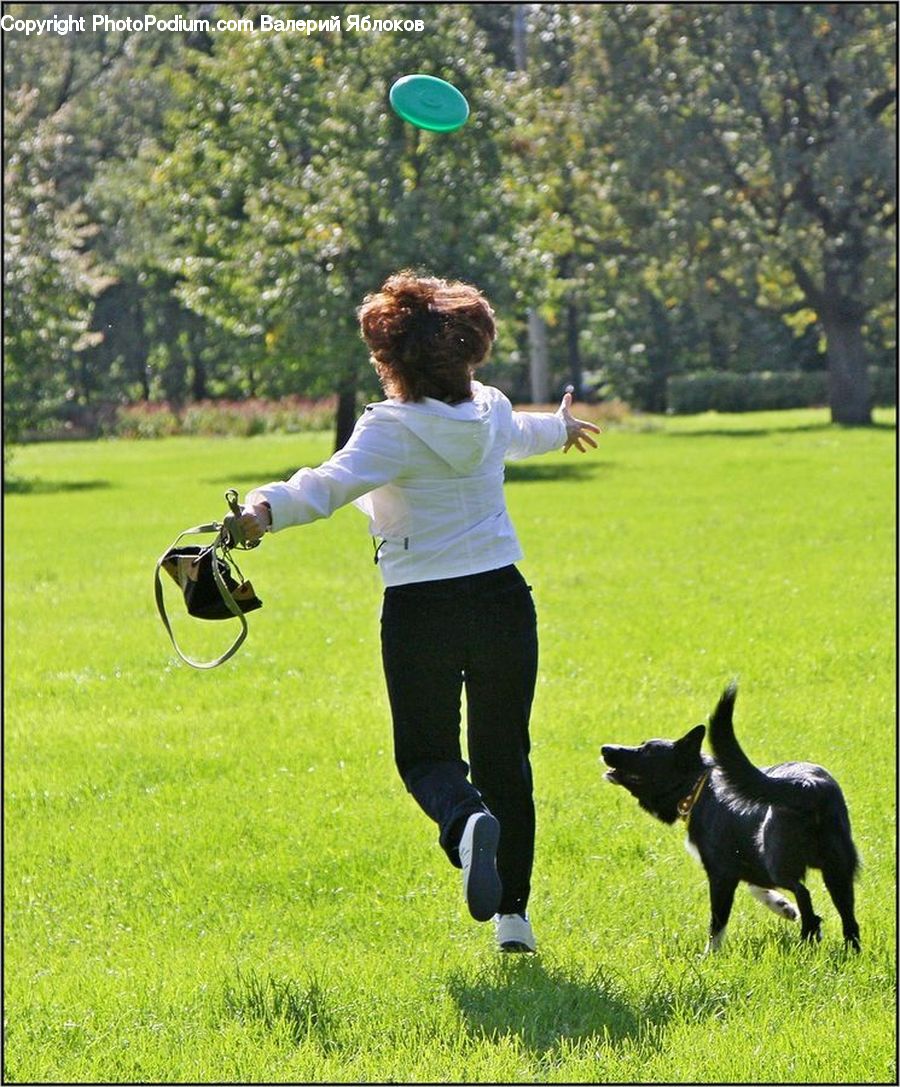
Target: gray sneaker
x: 514, y: 932
x: 478, y: 856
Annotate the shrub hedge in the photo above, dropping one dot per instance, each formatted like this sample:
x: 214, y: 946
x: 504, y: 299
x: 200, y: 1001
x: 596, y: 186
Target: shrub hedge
x: 227, y: 418
x: 711, y: 390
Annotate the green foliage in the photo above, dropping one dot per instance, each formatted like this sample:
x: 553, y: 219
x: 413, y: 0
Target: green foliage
x: 639, y: 346
x: 219, y: 877
x: 883, y: 383
x: 755, y: 147
x: 711, y: 391
x: 767, y: 391
x: 46, y: 277
x: 673, y: 187
x: 89, y: 315
x: 278, y: 239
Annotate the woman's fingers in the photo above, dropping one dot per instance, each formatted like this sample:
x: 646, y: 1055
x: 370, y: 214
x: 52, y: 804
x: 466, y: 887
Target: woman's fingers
x: 581, y: 432
x: 577, y: 430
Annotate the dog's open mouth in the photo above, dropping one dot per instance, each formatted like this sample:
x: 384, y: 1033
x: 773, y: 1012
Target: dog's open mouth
x: 618, y: 774
x: 615, y: 774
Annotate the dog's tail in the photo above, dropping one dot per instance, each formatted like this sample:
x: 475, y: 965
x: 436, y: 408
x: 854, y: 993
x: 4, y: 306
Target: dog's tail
x: 746, y: 780
x: 749, y: 783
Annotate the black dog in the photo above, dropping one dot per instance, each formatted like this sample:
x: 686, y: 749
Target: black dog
x: 763, y: 826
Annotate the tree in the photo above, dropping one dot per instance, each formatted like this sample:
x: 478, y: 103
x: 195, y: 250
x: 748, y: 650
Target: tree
x: 548, y: 160
x: 671, y: 186
x: 88, y: 315
x: 289, y: 190
x: 765, y: 135
x: 47, y: 276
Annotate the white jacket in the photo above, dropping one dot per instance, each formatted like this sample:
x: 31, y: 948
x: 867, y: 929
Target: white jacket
x: 429, y: 476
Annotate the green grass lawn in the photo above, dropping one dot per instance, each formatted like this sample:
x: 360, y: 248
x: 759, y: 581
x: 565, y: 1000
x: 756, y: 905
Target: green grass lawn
x: 218, y: 876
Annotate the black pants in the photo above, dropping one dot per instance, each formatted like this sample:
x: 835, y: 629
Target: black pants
x: 479, y: 632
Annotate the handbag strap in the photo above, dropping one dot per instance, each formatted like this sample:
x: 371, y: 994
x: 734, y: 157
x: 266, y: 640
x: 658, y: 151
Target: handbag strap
x: 230, y: 602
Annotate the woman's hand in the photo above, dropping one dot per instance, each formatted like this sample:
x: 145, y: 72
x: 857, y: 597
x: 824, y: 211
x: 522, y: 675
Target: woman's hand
x: 255, y: 520
x: 577, y: 431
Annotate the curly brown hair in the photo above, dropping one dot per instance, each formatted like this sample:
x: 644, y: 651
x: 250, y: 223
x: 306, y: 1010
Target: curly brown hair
x: 427, y: 336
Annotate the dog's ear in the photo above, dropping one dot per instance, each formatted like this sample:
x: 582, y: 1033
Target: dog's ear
x: 689, y: 745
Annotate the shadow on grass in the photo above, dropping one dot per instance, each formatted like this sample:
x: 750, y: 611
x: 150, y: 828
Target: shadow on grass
x: 515, y: 473
x: 56, y: 486
x: 768, y: 431
x: 550, y: 473
x: 545, y: 1007
x: 257, y: 479
x: 829, y: 953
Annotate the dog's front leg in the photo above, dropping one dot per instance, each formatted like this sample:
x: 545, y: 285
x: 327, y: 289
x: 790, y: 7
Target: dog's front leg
x: 721, y: 899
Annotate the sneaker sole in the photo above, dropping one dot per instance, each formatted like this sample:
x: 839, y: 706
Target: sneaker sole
x: 514, y: 946
x: 483, y: 889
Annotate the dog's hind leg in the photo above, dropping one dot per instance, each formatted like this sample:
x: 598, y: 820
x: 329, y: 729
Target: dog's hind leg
x: 840, y: 887
x: 721, y: 899
x: 776, y: 903
x: 810, y: 922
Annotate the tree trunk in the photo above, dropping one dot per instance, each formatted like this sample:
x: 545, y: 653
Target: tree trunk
x: 198, y: 367
x: 538, y: 361
x: 198, y: 380
x: 659, y: 357
x: 345, y: 418
x: 140, y: 349
x: 842, y: 319
x: 538, y: 365
x: 575, y: 374
x: 848, y: 381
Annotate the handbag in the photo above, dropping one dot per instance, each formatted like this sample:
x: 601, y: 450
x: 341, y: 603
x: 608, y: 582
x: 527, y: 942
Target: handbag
x: 204, y: 576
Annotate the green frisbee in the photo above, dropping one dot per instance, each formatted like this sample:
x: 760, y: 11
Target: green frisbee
x: 428, y: 102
